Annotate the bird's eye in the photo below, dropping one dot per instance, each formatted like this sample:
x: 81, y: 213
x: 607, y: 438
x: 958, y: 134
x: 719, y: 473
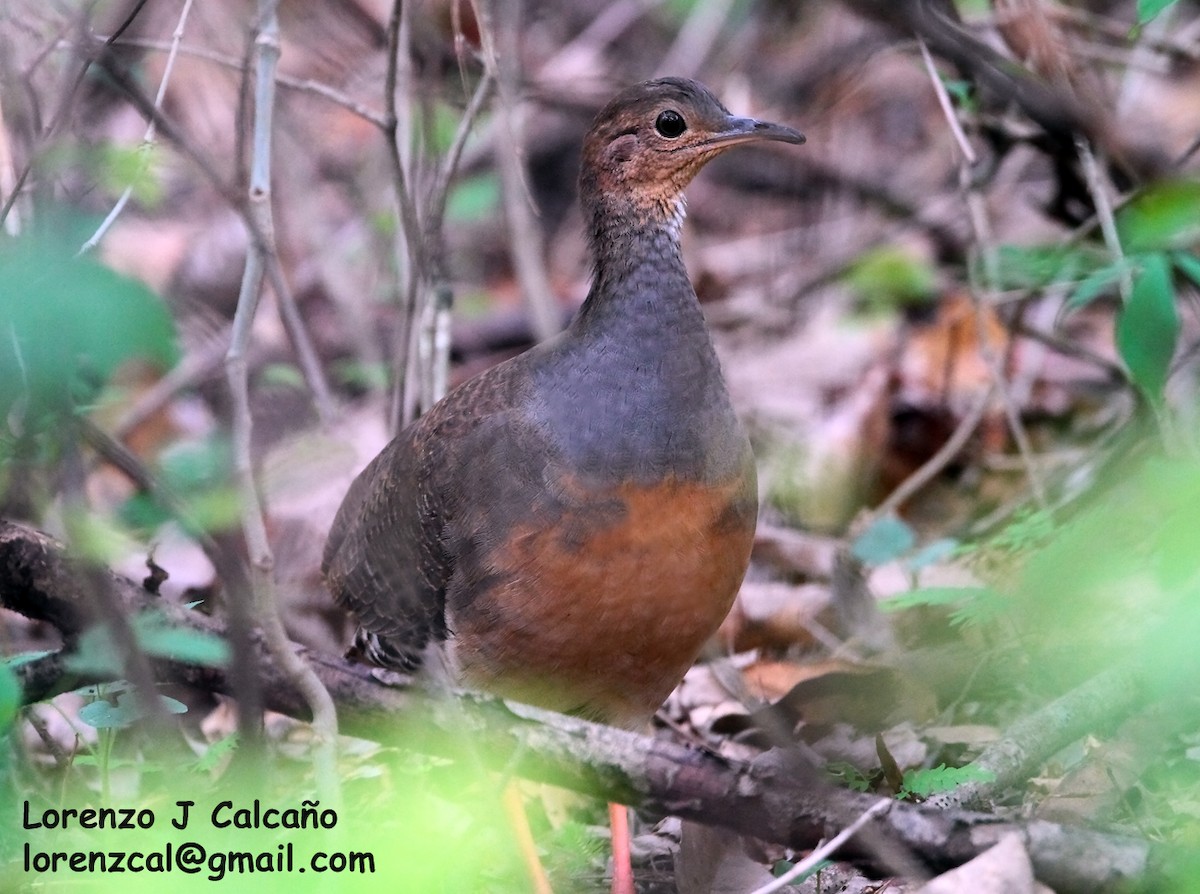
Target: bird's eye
x: 670, y: 124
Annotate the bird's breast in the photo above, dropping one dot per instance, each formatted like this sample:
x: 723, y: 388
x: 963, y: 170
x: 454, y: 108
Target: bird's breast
x: 602, y: 612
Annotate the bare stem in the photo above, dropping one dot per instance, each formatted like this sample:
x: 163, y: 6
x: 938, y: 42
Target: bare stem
x: 262, y: 561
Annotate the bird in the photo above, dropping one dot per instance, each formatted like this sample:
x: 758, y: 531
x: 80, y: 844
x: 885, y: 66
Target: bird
x: 569, y: 527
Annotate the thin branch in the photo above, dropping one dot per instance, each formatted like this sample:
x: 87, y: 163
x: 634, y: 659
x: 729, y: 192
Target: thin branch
x: 68, y: 98
x: 945, y: 454
x: 300, y: 85
x: 262, y: 562
x: 500, y: 57
x: 943, y: 98
x: 1034, y: 739
x: 148, y: 137
x: 825, y: 851
x: 977, y: 213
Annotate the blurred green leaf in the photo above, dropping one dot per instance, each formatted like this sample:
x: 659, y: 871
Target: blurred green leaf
x: 1095, y: 284
x: 103, y: 714
x: 932, y: 596
x: 889, y: 278
x: 941, y: 778
x: 1036, y: 266
x: 282, y: 375
x: 885, y: 539
x: 1149, y: 9
x: 931, y: 553
x: 216, y: 752
x: 473, y: 199
x: 1188, y: 265
x: 1165, y: 216
x: 10, y: 697
x: 359, y: 374
x: 97, y: 654
x: 67, y: 323
x: 131, y: 167
x: 200, y: 472
x: 1148, y: 327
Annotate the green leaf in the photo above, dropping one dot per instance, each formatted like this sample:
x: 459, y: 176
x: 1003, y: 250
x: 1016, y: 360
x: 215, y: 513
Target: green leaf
x: 1188, y: 265
x: 97, y: 654
x: 931, y: 553
x: 889, y: 278
x: 1094, y: 285
x: 215, y: 753
x: 103, y: 714
x: 159, y: 639
x: 1036, y: 266
x: 1149, y: 9
x: 473, y: 199
x: 1165, y: 216
x: 10, y: 697
x: 941, y: 779
x: 885, y: 539
x: 932, y: 596
x: 67, y: 324
x: 1148, y: 327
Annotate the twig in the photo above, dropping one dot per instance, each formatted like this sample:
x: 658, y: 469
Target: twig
x: 979, y: 225
x: 943, y: 98
x: 500, y: 57
x: 300, y: 85
x: 262, y: 562
x: 67, y: 101
x: 933, y: 466
x: 1104, y: 213
x: 8, y: 178
x: 825, y: 851
x: 410, y: 250
x: 148, y: 137
x: 1029, y: 742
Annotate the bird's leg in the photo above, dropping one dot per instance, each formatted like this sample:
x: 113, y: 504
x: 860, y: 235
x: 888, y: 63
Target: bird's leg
x: 515, y: 809
x: 622, y: 878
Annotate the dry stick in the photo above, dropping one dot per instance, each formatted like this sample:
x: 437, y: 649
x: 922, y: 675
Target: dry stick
x: 979, y: 225
x: 825, y: 851
x: 148, y: 137
x: 300, y: 85
x: 192, y: 368
x: 8, y: 176
x: 501, y: 57
x: 262, y: 561
x: 942, y: 458
x: 67, y: 101
x: 1031, y: 741
x: 409, y: 247
x: 440, y: 362
x: 104, y: 603
x: 293, y: 323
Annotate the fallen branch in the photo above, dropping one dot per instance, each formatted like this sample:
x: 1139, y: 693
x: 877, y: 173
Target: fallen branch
x: 777, y: 796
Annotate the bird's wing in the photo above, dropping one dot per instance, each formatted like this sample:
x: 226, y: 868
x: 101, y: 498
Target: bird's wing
x: 386, y: 558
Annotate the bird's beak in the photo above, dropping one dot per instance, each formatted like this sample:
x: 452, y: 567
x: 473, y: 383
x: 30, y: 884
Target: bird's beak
x: 747, y: 130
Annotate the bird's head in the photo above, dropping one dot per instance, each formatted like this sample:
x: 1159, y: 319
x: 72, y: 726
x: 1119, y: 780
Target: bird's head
x: 648, y: 143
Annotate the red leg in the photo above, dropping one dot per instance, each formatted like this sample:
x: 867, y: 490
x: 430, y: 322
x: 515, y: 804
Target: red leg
x: 622, y: 879
x: 520, y: 823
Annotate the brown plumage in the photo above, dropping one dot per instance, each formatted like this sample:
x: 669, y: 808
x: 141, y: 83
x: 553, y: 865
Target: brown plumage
x: 573, y: 524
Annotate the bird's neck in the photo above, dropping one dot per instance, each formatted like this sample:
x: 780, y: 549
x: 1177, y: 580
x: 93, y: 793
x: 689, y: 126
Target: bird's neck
x: 639, y: 282
x: 645, y: 397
